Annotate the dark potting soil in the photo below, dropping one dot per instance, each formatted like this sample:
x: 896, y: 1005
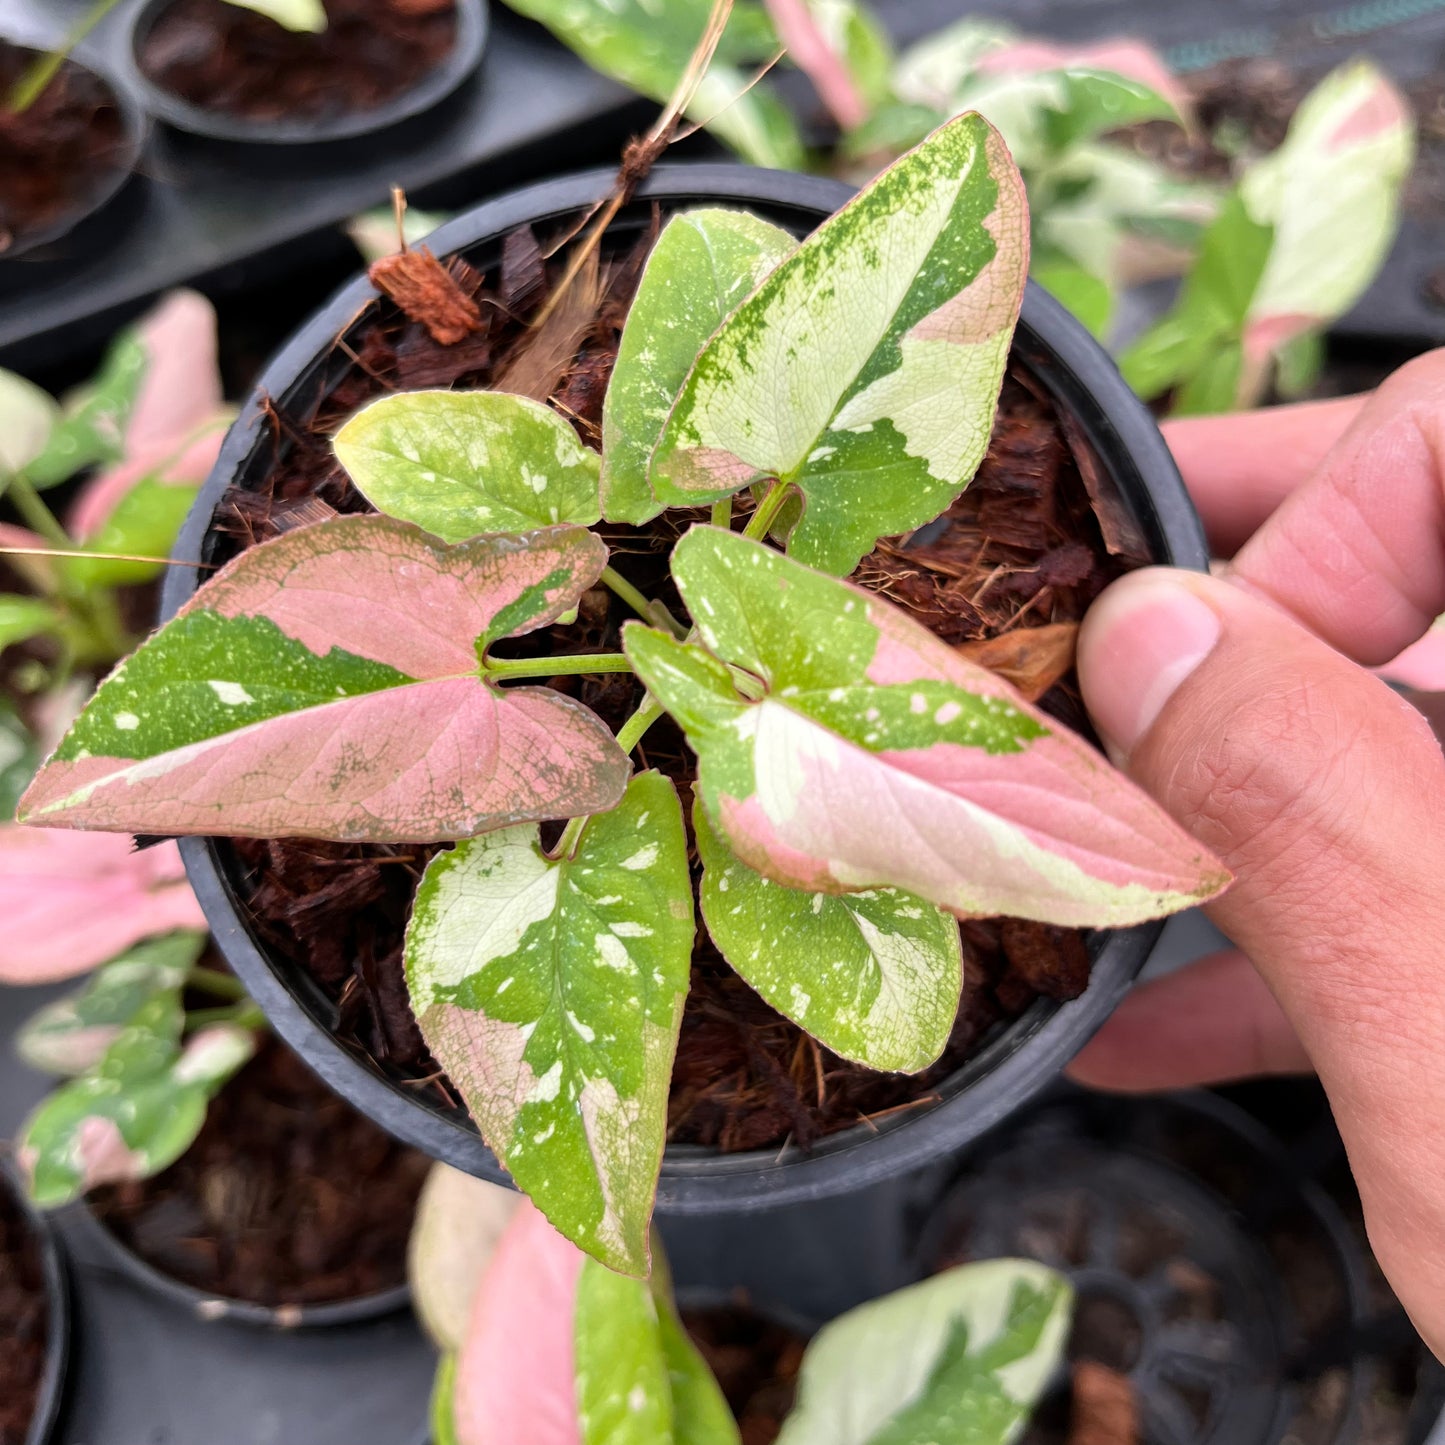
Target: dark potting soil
x: 755, y: 1360
x: 59, y: 152
x: 23, y: 1319
x: 224, y: 58
x: 288, y: 1197
x: 1010, y: 569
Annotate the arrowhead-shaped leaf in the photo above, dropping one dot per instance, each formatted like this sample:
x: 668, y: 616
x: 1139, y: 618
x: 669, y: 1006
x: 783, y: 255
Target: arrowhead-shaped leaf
x: 328, y: 684
x: 137, y: 1111
x: 705, y: 263
x: 461, y: 463
x: 72, y: 1034
x: 551, y: 992
x: 73, y: 900
x: 962, y: 1356
x: 866, y: 368
x: 843, y: 747
x: 874, y: 976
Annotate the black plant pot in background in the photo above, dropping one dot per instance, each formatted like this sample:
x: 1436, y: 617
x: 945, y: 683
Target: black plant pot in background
x: 51, y: 1393
x: 361, y: 126
x: 1105, y: 418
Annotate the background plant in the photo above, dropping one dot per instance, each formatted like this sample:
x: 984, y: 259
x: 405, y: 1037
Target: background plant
x: 858, y: 781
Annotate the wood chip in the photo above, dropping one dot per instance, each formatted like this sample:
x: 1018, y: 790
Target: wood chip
x: 1104, y: 1411
x: 427, y: 292
x: 1033, y: 659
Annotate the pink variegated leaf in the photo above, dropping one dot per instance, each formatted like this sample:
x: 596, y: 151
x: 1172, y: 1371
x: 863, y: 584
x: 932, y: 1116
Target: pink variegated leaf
x: 71, y: 901
x: 331, y: 683
x: 861, y: 752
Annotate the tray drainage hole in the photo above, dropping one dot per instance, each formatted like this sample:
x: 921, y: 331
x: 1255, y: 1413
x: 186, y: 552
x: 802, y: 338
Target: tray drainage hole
x: 1107, y: 1330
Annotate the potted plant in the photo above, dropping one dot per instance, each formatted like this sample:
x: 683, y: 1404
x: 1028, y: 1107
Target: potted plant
x: 574, y: 1097
x: 301, y: 71
x: 34, y: 1322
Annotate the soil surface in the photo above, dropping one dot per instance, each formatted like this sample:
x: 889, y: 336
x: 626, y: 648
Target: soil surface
x: 57, y: 154
x: 755, y: 1360
x: 1017, y: 559
x: 224, y: 58
x: 23, y: 1321
x: 288, y: 1197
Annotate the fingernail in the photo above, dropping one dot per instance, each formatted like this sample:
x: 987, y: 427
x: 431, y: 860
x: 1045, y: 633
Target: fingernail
x: 1139, y: 642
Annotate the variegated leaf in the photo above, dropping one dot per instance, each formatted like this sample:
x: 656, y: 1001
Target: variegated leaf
x: 308, y: 15
x: 624, y: 1392
x: 866, y: 368
x: 703, y: 265
x: 462, y: 463
x: 843, y: 747
x: 72, y: 1034
x: 551, y: 991
x: 330, y: 684
x: 137, y: 1111
x: 28, y: 418
x: 962, y: 1356
x: 874, y: 976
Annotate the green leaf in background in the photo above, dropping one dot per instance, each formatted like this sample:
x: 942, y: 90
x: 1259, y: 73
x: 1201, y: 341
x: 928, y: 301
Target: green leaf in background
x: 72, y: 1034
x: 705, y: 263
x: 28, y: 417
x: 1087, y: 296
x: 19, y: 757
x: 22, y: 618
x: 624, y: 1392
x: 1299, y: 362
x: 304, y: 15
x: 866, y: 368
x: 92, y: 430
x: 873, y: 976
x: 463, y: 463
x: 551, y: 991
x: 932, y: 71
x: 647, y: 46
x: 1096, y: 101
x: 145, y: 523
x: 442, y: 1414
x: 854, y: 34
x: 700, y: 1414
x: 137, y: 1111
x: 963, y: 1356
x: 894, y: 127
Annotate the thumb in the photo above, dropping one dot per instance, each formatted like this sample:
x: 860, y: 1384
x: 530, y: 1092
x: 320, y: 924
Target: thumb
x: 1323, y: 791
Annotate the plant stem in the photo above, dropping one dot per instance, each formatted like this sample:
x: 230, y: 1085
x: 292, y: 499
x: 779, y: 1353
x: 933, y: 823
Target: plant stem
x: 213, y: 981
x: 630, y: 733
x: 245, y: 1013
x: 31, y: 86
x: 33, y: 511
x: 722, y: 512
x: 649, y: 611
x: 570, y: 834
x: 767, y: 511
x: 497, y: 667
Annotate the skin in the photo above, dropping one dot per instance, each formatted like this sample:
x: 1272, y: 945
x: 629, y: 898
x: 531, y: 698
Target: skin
x: 1243, y: 704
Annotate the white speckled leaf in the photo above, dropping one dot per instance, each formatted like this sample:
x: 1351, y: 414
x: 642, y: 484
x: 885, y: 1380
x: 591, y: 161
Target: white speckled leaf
x: 866, y: 368
x: 624, y: 1396
x: 551, y: 991
x: 463, y: 463
x: 873, y: 976
x: 704, y: 265
x: 963, y: 1356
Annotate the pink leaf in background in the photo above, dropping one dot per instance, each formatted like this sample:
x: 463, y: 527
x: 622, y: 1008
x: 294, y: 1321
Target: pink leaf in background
x: 1133, y: 59
x: 71, y: 901
x: 516, y: 1377
x: 809, y: 50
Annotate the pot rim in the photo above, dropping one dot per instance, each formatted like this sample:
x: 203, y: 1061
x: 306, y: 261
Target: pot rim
x: 1012, y: 1068
x: 51, y: 1395
x: 473, y: 29
x: 207, y: 1307
x: 134, y: 119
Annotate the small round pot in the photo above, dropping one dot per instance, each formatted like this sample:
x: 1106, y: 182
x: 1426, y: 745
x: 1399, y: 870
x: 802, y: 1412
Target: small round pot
x: 1085, y: 386
x: 78, y: 225
x: 473, y: 24
x: 202, y: 1305
x: 51, y: 1395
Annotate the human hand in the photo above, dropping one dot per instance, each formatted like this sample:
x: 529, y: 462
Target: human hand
x: 1242, y: 703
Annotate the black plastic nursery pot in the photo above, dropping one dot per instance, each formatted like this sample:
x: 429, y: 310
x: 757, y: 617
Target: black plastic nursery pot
x: 80, y: 225
x: 50, y: 1391
x: 472, y: 25
x: 1010, y: 1068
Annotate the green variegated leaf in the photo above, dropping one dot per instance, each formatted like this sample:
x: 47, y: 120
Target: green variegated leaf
x: 703, y: 265
x: 331, y: 683
x: 842, y: 747
x: 145, y: 523
x: 855, y: 35
x: 92, y: 430
x: 28, y: 418
x: 624, y: 1391
x: 463, y: 463
x: 700, y: 1414
x: 306, y: 15
x: 73, y: 1034
x: 551, y: 992
x: 866, y: 368
x: 874, y: 976
x: 137, y: 1111
x: 963, y: 1356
